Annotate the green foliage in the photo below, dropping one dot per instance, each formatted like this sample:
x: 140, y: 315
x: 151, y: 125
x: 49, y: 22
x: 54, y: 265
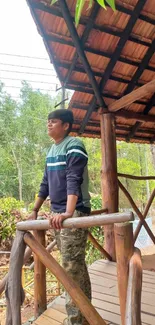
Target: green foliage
x: 96, y: 202
x: 92, y: 254
x: 80, y: 4
x: 8, y: 214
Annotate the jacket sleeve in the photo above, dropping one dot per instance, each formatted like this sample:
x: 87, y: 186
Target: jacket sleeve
x: 76, y: 161
x: 44, y: 189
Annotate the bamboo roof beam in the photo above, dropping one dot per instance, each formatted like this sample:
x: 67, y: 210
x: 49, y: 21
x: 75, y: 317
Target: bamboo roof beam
x: 133, y: 96
x: 126, y: 33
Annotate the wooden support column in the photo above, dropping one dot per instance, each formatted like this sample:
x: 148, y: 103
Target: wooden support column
x: 109, y: 182
x: 39, y: 278
x: 124, y: 252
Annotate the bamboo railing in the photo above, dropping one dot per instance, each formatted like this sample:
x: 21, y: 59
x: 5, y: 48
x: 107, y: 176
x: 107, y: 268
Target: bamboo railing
x: 124, y: 252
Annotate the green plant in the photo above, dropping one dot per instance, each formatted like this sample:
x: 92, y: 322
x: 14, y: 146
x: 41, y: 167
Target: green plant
x: 80, y: 4
x: 9, y: 213
x: 96, y: 202
x: 92, y: 254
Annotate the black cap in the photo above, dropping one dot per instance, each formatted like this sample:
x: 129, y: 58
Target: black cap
x: 64, y: 115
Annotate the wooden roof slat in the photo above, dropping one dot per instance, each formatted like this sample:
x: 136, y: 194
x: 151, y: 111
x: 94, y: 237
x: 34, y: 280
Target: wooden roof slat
x: 116, y: 55
x: 81, y: 53
x: 60, y: 39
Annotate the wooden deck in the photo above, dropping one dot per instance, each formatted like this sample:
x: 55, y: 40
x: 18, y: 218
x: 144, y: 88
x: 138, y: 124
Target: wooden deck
x: 105, y: 297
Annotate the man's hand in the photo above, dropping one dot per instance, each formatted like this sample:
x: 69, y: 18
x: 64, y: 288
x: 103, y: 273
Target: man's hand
x: 57, y: 220
x: 33, y: 215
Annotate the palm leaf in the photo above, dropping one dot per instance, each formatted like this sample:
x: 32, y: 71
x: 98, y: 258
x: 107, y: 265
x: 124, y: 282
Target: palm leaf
x: 78, y: 10
x: 53, y: 1
x: 101, y: 3
x: 111, y: 3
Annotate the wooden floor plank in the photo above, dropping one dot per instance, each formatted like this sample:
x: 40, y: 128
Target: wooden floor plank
x: 103, y: 275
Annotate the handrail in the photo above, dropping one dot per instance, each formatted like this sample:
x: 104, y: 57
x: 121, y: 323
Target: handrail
x: 70, y: 285
x: 98, y: 246
x: 140, y: 178
x: 82, y: 222
x: 133, y: 303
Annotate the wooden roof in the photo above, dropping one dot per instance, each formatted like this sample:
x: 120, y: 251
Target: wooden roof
x: 119, y: 49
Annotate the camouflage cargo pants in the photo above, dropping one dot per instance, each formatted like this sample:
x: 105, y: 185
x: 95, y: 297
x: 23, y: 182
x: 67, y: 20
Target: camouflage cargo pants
x: 72, y: 244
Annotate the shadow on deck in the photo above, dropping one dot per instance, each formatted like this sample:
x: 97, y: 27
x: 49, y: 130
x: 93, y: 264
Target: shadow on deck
x: 105, y: 297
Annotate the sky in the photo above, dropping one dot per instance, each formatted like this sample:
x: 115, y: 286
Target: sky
x: 19, y: 42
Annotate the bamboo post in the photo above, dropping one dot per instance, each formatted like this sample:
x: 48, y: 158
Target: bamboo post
x: 124, y: 251
x: 133, y: 304
x: 109, y: 177
x: 70, y: 285
x: 39, y: 279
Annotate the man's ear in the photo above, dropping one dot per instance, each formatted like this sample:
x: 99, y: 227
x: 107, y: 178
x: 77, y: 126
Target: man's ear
x: 66, y: 126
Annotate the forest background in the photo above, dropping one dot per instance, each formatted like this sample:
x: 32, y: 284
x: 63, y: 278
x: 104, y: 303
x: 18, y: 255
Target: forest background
x: 24, y: 144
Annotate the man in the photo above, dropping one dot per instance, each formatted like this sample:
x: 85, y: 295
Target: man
x: 66, y: 182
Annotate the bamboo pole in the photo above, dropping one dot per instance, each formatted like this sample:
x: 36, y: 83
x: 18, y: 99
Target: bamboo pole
x: 137, y: 211
x: 124, y: 251
x: 98, y: 246
x: 71, y: 287
x: 136, y: 177
x: 133, y: 96
x: 109, y: 177
x: 39, y: 279
x: 133, y: 304
x: 136, y: 233
x: 83, y: 222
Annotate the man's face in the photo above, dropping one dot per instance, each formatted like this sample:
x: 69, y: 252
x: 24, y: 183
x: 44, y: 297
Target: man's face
x: 56, y: 128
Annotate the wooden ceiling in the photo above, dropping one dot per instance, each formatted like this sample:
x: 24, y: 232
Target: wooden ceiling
x: 108, y: 56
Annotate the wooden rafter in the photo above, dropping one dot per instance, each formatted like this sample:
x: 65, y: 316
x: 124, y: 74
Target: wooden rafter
x: 84, y: 37
x: 61, y: 40
x: 133, y: 82
x: 57, y: 12
x: 133, y: 96
x: 79, y: 68
x: 125, y: 128
x: 81, y: 53
x: 142, y: 66
x: 84, y: 21
x: 137, y: 125
x: 116, y: 55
